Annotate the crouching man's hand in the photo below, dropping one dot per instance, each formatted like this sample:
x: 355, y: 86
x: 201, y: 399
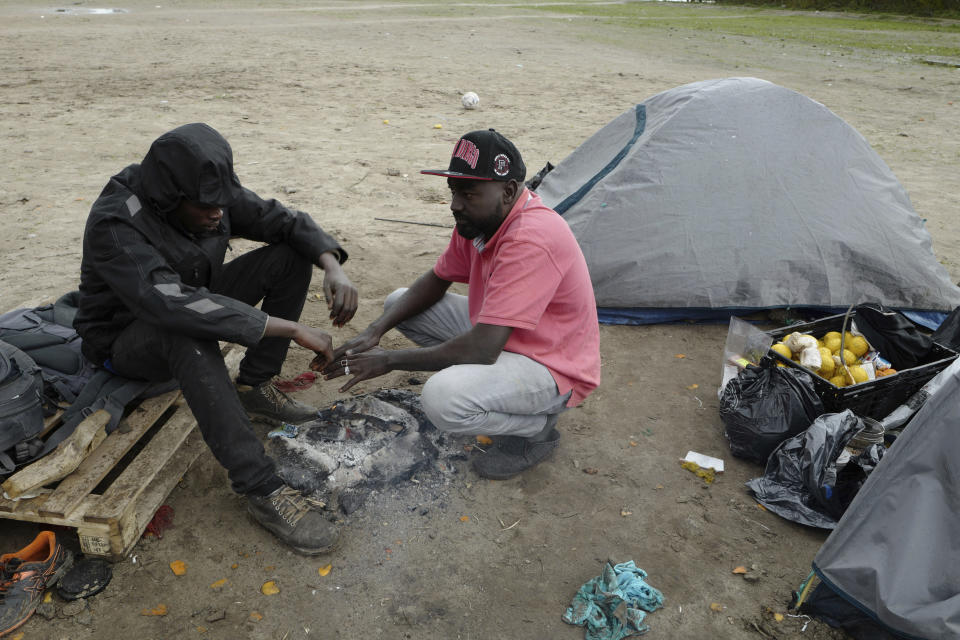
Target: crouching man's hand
x: 362, y: 366
x: 368, y: 339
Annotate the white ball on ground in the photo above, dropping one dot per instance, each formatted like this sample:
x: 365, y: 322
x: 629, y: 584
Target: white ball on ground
x: 470, y: 100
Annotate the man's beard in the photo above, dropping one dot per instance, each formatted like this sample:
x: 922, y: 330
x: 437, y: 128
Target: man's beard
x: 470, y: 231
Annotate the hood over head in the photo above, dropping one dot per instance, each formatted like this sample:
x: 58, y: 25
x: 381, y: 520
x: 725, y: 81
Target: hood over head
x: 192, y: 161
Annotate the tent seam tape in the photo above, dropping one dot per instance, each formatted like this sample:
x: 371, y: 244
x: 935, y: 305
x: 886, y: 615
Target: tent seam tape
x: 576, y: 196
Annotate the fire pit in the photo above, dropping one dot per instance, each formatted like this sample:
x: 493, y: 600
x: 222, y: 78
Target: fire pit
x: 361, y: 444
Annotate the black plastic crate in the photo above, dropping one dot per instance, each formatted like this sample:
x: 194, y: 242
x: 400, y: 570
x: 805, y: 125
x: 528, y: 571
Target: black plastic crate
x: 874, y: 398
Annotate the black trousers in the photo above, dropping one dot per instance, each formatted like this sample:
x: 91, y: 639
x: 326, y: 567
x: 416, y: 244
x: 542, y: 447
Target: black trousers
x: 275, y: 275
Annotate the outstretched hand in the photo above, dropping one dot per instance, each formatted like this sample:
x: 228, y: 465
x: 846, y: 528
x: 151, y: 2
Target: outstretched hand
x: 317, y: 341
x: 364, y: 342
x: 362, y: 366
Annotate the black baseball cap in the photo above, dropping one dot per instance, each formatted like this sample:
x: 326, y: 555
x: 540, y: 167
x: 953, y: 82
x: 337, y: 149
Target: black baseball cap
x: 483, y: 155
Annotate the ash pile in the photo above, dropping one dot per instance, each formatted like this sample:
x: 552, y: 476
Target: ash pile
x: 362, y: 444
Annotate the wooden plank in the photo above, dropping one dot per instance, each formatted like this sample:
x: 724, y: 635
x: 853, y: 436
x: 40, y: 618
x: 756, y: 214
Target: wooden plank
x: 110, y: 525
x: 144, y: 468
x: 134, y: 523
x: 63, y: 460
x: 28, y: 512
x: 75, y: 487
x: 9, y: 506
x: 95, y: 540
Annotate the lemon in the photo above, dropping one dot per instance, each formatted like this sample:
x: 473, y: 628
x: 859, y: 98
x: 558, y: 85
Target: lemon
x: 831, y: 334
x: 848, y: 357
x: 848, y: 337
x: 858, y: 345
x: 827, y: 365
x: 838, y: 381
x: 832, y: 342
x: 859, y: 375
x: 782, y: 349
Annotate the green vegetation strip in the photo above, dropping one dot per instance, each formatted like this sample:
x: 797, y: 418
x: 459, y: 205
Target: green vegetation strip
x: 882, y: 33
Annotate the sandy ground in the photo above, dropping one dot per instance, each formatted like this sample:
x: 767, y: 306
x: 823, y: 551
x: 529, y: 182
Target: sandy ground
x: 333, y: 108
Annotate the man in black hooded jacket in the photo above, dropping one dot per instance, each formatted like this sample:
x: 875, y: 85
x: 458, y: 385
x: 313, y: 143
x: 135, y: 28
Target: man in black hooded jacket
x: 156, y: 297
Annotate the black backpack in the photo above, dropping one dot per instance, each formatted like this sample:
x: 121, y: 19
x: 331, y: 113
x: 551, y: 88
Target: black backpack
x: 21, y: 402
x: 42, y: 370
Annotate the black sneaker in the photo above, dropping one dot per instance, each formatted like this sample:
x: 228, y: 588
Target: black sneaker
x: 267, y: 403
x: 511, y: 455
x: 89, y: 576
x: 296, y: 520
x: 26, y: 574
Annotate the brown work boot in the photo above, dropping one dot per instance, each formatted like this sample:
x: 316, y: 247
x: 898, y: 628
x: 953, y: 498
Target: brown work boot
x: 267, y: 403
x: 295, y: 519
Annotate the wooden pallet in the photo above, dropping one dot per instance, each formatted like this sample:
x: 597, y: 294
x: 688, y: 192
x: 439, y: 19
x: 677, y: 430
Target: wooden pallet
x: 110, y: 516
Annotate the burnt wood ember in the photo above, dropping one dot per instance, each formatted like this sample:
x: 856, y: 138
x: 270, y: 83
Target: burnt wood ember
x: 361, y: 444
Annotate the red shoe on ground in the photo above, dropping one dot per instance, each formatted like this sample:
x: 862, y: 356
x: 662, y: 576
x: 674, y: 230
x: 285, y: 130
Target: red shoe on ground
x: 26, y: 574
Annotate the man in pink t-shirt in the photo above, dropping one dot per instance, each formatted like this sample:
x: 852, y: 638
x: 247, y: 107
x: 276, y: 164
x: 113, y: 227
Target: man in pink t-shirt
x: 523, y: 346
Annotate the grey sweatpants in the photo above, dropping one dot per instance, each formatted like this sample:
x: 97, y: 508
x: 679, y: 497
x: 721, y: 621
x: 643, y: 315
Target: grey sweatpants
x: 513, y: 396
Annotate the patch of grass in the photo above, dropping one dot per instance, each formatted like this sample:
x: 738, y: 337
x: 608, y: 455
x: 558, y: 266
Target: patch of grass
x: 871, y: 32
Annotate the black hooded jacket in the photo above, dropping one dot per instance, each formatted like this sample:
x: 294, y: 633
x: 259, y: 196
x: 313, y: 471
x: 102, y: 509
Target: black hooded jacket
x: 139, y: 262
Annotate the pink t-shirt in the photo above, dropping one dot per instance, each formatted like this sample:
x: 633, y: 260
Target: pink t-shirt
x: 531, y: 275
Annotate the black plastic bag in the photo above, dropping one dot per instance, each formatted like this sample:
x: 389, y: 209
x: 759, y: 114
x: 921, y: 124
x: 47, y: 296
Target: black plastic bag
x: 808, y: 480
x: 948, y: 333
x: 763, y: 406
x: 893, y: 334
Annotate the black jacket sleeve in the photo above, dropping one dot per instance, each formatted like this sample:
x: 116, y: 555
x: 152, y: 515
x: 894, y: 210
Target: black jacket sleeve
x: 269, y: 221
x: 146, y: 284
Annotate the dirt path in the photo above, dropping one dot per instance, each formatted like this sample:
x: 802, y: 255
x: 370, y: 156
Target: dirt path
x: 333, y: 109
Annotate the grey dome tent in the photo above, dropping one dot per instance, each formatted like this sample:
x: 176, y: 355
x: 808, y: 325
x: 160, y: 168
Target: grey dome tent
x: 891, y: 568
x: 734, y: 195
